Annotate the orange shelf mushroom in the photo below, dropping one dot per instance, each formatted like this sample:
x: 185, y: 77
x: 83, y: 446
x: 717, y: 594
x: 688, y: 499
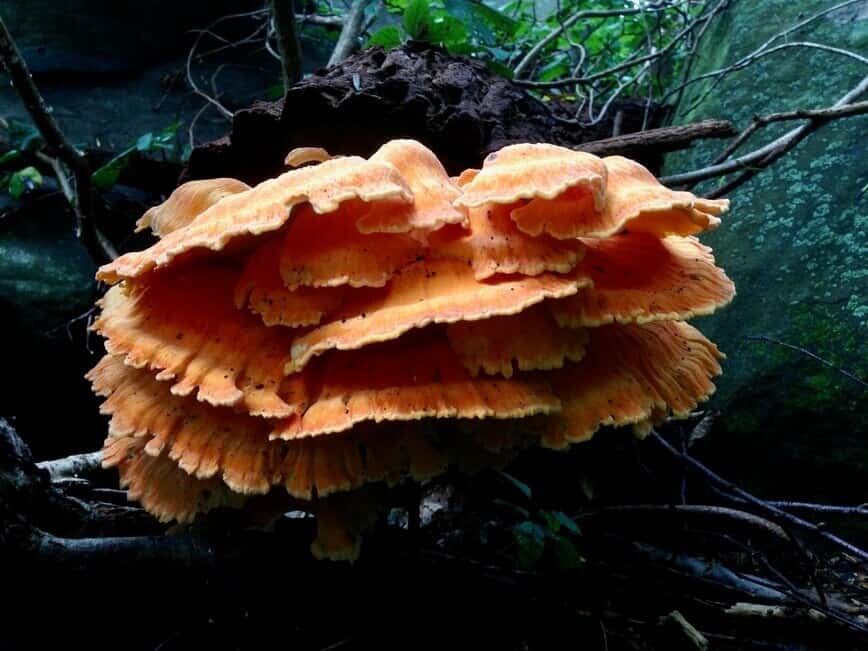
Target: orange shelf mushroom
x: 353, y: 323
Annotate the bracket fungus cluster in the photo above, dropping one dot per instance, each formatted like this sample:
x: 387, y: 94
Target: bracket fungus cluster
x: 310, y: 341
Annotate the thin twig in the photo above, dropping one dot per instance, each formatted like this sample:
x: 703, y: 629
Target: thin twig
x: 760, y: 51
x: 765, y: 155
x: 794, y: 592
x: 861, y: 509
x: 522, y: 67
x: 629, y: 63
x: 81, y: 198
x: 847, y: 374
x: 759, y: 121
x: 322, y: 21
x: 191, y: 54
x: 734, y: 515
x: 731, y: 488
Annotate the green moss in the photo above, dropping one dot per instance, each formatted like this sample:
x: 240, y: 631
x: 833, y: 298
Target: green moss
x: 796, y: 245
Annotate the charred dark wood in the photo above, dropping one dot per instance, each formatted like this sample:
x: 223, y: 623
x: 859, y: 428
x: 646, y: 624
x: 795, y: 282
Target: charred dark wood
x: 454, y: 105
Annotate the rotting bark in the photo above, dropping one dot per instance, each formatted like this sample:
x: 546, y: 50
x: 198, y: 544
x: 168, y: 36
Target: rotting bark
x: 454, y: 105
x: 664, y: 139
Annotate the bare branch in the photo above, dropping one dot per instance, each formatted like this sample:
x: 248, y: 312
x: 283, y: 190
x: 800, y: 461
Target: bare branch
x: 41, y: 114
x: 734, y: 515
x: 522, y: 66
x: 731, y: 489
x: 72, y: 466
x: 348, y: 40
x: 759, y: 121
x: 757, y: 55
x: 762, y: 49
x: 629, y: 63
x: 660, y: 140
x: 283, y: 19
x: 225, y: 112
x: 322, y: 21
x: 847, y: 374
x: 766, y: 155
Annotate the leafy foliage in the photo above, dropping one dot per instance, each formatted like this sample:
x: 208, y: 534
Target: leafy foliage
x: 107, y: 175
x: 539, y: 532
x: 23, y: 139
x: 502, y: 35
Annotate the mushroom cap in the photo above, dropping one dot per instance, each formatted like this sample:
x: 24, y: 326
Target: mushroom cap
x: 629, y: 374
x: 261, y: 288
x: 533, y: 171
x: 495, y: 245
x: 423, y: 293
x: 183, y: 324
x: 266, y: 208
x: 465, y: 177
x: 342, y: 519
x: 209, y: 442
x: 303, y: 155
x: 433, y: 322
x: 433, y: 192
x: 498, y: 344
x: 637, y: 201
x: 328, y: 250
x: 186, y: 203
x: 164, y: 490
x: 417, y: 376
x: 203, y: 441
x: 640, y: 278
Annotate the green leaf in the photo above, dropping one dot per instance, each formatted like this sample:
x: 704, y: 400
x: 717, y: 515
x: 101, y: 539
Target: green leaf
x: 558, y: 67
x: 567, y: 556
x: 386, y: 37
x: 567, y: 523
x: 523, y: 488
x: 500, y: 69
x: 447, y: 30
x: 23, y: 181
x: 417, y: 19
x: 166, y: 137
x: 530, y: 543
x: 551, y: 521
x: 488, y: 25
x: 106, y: 176
x: 145, y: 142
x: 397, y: 6
x: 9, y: 156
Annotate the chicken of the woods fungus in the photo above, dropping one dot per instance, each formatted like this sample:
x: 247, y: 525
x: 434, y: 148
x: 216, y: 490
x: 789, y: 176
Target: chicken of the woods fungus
x: 354, y: 323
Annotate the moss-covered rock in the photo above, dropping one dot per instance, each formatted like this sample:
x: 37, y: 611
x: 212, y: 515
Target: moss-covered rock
x: 46, y: 276
x: 796, y: 244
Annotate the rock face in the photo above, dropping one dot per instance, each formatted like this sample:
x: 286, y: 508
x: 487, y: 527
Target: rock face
x: 453, y: 105
x: 106, y: 36
x: 796, y: 245
x: 113, y: 71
